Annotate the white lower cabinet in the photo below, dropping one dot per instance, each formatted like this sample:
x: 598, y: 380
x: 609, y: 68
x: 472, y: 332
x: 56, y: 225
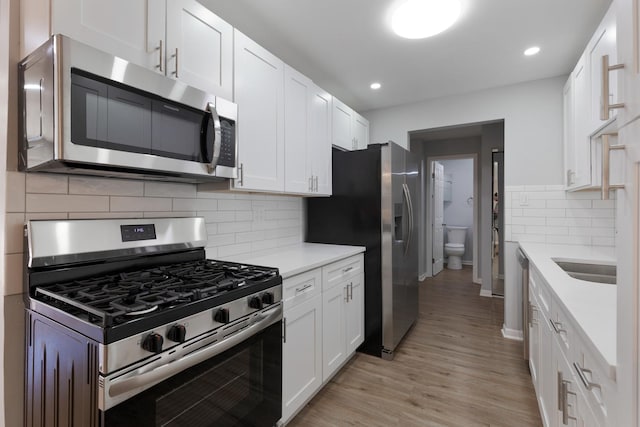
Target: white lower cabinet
x: 572, y: 388
x: 322, y: 327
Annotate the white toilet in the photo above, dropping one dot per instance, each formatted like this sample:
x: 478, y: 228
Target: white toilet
x: 454, y: 248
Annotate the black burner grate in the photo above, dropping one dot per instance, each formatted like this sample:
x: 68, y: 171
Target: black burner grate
x: 118, y: 298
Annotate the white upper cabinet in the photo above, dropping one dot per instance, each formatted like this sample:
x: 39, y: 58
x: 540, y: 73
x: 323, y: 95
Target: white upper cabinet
x: 297, y: 89
x: 360, y: 131
x: 179, y: 38
x: 199, y: 47
x: 350, y: 129
x: 130, y: 30
x: 307, y: 136
x: 259, y: 93
x: 320, y: 140
x: 603, y: 48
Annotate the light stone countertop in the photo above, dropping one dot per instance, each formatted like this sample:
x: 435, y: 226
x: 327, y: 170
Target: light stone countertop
x: 296, y: 259
x: 591, y: 305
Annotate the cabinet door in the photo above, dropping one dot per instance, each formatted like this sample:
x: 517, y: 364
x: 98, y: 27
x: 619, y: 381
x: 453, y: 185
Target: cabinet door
x: 333, y: 330
x: 297, y: 89
x: 355, y: 313
x: 130, y: 30
x: 547, y: 376
x: 628, y: 53
x: 301, y: 354
x: 534, y: 343
x: 581, y: 176
x: 342, y: 122
x: 603, y: 43
x: 259, y: 93
x: 568, y: 136
x: 199, y: 47
x: 360, y: 130
x: 320, y: 140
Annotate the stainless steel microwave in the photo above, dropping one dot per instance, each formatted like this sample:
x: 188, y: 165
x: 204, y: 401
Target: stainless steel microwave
x: 85, y: 111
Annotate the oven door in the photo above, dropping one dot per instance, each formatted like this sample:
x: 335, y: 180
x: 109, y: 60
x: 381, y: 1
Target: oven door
x: 240, y: 387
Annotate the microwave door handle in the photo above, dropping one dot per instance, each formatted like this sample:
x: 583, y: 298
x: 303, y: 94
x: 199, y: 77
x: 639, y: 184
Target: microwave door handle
x: 217, y: 138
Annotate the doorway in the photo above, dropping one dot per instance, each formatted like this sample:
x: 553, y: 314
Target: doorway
x: 453, y: 218
x: 497, y: 235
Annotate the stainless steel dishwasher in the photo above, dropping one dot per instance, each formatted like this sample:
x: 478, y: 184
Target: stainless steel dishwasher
x: 524, y: 281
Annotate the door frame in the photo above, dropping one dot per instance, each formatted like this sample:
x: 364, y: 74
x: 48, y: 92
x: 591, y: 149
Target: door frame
x: 428, y: 217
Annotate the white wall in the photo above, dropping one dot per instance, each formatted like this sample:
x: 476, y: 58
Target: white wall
x: 459, y: 211
x: 532, y: 113
x: 533, y: 125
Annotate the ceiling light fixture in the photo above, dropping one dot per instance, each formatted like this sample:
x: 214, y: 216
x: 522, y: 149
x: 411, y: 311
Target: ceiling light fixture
x: 417, y: 19
x: 375, y: 86
x: 532, y: 51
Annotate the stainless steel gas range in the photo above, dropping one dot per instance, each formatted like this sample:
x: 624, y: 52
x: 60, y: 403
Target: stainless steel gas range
x: 129, y: 324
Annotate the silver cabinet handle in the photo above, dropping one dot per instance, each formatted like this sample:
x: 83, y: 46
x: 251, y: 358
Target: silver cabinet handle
x: 604, y: 101
x: 351, y: 291
x: 311, y: 183
x: 284, y: 330
x: 560, y: 392
x: 587, y: 384
x: 175, y: 55
x: 346, y: 297
x: 606, y: 165
x: 161, y: 49
x: 303, y: 288
x: 316, y: 181
x: 346, y: 270
x: 570, y: 177
x: 557, y: 326
x: 240, y: 181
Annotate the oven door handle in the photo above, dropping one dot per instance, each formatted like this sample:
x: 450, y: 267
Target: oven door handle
x: 143, y: 380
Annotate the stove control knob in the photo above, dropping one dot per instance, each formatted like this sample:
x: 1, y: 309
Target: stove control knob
x: 267, y: 298
x: 255, y: 302
x: 177, y: 333
x: 222, y: 315
x: 153, y: 343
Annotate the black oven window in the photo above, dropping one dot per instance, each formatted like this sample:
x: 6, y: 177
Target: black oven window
x: 241, y: 387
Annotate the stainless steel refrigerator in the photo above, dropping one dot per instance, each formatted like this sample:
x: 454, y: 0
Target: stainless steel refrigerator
x: 374, y: 204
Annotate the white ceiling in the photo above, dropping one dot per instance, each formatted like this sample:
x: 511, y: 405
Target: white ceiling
x: 345, y: 45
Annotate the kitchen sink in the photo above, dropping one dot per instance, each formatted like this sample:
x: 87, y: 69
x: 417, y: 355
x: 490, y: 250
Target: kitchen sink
x: 600, y: 273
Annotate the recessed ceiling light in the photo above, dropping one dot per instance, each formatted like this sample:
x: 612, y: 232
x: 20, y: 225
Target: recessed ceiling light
x: 375, y: 86
x: 417, y: 19
x: 532, y: 51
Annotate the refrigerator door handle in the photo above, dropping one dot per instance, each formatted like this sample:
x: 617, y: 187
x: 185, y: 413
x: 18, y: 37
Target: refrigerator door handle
x: 407, y: 198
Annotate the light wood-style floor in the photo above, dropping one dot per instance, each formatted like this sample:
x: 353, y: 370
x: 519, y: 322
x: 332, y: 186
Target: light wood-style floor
x: 452, y: 369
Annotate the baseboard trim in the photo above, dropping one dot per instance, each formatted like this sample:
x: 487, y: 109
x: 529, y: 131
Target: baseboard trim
x: 485, y: 293
x: 467, y: 262
x: 511, y: 334
x: 422, y: 277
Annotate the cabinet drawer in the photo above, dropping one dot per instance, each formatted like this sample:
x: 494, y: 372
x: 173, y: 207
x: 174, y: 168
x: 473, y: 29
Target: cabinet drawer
x: 564, y: 331
x: 336, y: 273
x: 598, y: 389
x: 301, y: 287
x: 539, y: 288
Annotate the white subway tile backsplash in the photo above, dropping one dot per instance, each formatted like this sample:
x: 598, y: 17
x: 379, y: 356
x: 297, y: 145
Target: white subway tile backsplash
x: 174, y: 214
x: 103, y: 215
x: 16, y: 187
x: 234, y: 227
x: 14, y: 233
x: 169, y: 189
x: 105, y: 186
x: 140, y: 204
x: 242, y: 248
x: 243, y: 215
x: 217, y: 216
x: 216, y: 240
x: 234, y: 205
x: 47, y: 183
x: 66, y: 203
x: 249, y: 236
x: 45, y: 215
x: 199, y: 205
x: 528, y: 221
x: 13, y: 270
x: 569, y: 240
x: 549, y: 214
